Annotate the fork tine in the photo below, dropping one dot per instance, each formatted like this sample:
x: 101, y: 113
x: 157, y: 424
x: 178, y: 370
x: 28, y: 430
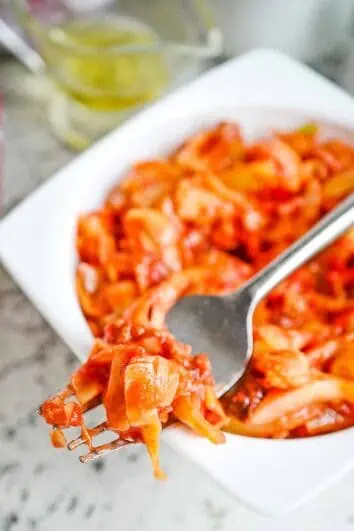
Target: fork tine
x: 75, y: 443
x: 99, y: 451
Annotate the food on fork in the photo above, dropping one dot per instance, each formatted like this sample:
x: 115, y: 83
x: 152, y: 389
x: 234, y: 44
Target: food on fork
x: 204, y: 220
x: 142, y: 376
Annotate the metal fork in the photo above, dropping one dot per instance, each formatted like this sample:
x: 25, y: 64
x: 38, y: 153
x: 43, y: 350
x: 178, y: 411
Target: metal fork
x: 95, y: 451
x: 222, y: 326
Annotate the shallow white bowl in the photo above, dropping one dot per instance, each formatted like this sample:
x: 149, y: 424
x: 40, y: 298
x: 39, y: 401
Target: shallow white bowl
x: 263, y: 91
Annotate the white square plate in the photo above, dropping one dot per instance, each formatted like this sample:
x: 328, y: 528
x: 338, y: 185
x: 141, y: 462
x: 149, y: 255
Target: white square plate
x: 262, y: 90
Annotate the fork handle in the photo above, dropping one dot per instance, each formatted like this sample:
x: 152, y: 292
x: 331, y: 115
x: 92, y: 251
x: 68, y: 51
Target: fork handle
x: 321, y: 235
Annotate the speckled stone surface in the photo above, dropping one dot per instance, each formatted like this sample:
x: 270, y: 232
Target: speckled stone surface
x: 45, y: 490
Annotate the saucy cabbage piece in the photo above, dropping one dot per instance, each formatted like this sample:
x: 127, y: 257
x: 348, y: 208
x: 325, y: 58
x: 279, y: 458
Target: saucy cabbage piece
x: 204, y: 220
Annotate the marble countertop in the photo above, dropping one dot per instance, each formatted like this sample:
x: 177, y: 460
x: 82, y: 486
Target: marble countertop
x: 43, y: 490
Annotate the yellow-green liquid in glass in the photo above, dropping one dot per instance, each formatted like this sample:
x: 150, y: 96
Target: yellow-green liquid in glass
x: 86, y: 58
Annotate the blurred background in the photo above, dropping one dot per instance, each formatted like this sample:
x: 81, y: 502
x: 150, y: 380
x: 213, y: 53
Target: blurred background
x: 96, y: 62
x: 70, y: 71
